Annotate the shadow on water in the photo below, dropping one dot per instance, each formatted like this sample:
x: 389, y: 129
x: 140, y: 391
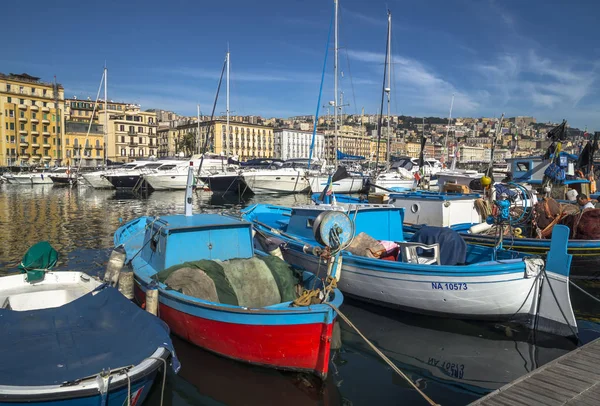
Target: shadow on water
x: 454, y: 362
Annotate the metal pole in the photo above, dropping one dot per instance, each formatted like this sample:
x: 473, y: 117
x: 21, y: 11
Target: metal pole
x: 335, y: 83
x: 389, y: 86
x: 227, y: 128
x: 445, y: 155
x: 198, y: 135
x: 105, y: 115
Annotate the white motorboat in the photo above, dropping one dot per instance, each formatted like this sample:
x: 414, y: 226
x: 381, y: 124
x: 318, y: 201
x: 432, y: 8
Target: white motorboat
x: 174, y: 176
x: 355, y: 183
x: 457, y: 176
x: 30, y: 178
x: 271, y: 181
x: 396, y: 178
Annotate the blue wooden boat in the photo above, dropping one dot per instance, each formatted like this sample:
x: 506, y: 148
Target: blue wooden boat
x: 484, y: 284
x: 239, y: 302
x: 69, y: 340
x: 276, y: 335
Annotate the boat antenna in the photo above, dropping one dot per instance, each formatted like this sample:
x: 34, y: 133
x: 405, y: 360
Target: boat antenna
x: 314, y: 135
x: 212, y: 114
x: 383, y: 92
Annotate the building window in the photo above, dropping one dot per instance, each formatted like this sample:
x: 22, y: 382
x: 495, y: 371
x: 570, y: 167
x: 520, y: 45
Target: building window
x: 141, y: 152
x: 22, y: 127
x: 21, y: 101
x: 141, y: 140
x: 121, y: 127
x: 123, y: 152
x: 8, y: 88
x: 22, y: 114
x: 12, y: 126
x: 132, y: 152
x: 140, y: 129
x: 9, y: 99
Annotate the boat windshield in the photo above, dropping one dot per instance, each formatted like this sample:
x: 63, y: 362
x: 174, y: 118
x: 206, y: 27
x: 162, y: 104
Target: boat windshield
x: 166, y: 167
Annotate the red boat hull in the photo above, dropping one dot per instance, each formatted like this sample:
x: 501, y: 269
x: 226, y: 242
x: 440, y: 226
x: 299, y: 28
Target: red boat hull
x: 298, y: 347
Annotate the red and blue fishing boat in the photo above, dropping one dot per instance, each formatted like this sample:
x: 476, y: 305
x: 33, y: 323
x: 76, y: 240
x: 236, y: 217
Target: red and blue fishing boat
x: 232, y: 299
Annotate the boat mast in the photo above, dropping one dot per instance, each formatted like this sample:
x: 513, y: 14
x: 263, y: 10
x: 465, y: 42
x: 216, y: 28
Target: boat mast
x: 105, y: 115
x: 389, y: 86
x: 227, y: 128
x: 335, y: 83
x: 198, y: 135
x: 445, y: 155
x: 383, y: 92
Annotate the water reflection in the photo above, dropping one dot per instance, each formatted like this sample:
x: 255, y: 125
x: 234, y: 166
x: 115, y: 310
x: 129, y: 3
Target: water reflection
x: 454, y: 362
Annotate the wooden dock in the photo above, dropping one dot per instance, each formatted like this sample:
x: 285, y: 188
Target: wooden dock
x: 573, y: 379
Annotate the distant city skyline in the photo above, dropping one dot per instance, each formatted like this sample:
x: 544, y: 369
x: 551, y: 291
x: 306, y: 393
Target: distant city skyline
x: 518, y: 58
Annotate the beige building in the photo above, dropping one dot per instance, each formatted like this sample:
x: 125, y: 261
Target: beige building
x: 244, y: 140
x: 31, y: 121
x: 132, y: 133
x: 83, y: 144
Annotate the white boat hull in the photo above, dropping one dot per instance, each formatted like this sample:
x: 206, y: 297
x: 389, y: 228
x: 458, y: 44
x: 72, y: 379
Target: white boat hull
x: 399, y: 182
x: 97, y: 180
x: 288, y: 182
x: 176, y: 181
x: 460, y: 178
x: 30, y: 179
x: 347, y: 185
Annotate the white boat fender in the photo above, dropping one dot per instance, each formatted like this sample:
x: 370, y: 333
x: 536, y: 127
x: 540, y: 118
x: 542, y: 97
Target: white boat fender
x: 479, y: 228
x: 152, y: 301
x: 126, y: 284
x: 115, y: 265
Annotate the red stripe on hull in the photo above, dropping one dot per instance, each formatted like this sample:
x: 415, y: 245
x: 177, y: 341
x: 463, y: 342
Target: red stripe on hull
x: 302, y: 347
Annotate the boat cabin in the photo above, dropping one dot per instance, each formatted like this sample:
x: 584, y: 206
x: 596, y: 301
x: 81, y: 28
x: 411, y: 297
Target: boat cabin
x: 172, y: 240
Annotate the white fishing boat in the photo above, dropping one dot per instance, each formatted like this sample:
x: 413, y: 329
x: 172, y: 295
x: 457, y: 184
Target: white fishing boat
x: 449, y: 279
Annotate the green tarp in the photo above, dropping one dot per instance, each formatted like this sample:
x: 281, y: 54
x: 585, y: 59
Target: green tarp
x: 37, y: 260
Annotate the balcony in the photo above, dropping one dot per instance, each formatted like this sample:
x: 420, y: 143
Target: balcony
x: 35, y: 120
x: 35, y: 145
x: 22, y: 106
x: 45, y: 133
x: 46, y: 145
x: 99, y: 147
x: 47, y: 158
x: 131, y: 132
x: 26, y: 155
x: 33, y: 132
x: 45, y: 121
x: 22, y: 131
x: 35, y: 108
x: 46, y: 109
x: 37, y: 156
x: 132, y: 144
x: 24, y: 143
x: 23, y: 119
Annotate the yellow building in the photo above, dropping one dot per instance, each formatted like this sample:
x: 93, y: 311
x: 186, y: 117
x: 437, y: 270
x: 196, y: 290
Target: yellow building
x: 131, y: 132
x: 244, y: 140
x: 167, y: 134
x: 382, y: 150
x: 31, y: 121
x: 83, y: 148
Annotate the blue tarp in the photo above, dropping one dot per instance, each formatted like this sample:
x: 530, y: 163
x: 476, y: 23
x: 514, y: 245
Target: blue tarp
x: 453, y: 249
x: 341, y: 156
x: 95, y: 332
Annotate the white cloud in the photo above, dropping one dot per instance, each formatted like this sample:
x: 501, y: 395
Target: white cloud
x: 420, y: 85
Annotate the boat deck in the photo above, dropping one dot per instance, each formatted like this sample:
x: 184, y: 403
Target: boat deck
x: 573, y: 379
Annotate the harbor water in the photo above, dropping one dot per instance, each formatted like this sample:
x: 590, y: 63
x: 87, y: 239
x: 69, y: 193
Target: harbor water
x: 453, y: 362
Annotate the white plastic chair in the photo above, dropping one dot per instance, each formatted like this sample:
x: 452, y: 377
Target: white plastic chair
x: 410, y: 254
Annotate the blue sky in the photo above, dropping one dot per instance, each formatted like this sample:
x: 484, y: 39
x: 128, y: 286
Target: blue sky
x: 535, y: 57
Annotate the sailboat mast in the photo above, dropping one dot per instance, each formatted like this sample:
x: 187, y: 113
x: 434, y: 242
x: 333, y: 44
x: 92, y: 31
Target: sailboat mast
x: 388, y: 89
x: 335, y: 82
x: 105, y: 115
x: 227, y: 128
x: 198, y: 135
x: 445, y: 155
x: 383, y: 91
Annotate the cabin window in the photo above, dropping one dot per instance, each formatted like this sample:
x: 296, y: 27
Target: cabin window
x: 523, y: 166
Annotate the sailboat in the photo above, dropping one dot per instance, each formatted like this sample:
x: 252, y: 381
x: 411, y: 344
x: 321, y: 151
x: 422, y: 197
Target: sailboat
x: 392, y: 177
x: 97, y: 179
x: 355, y: 182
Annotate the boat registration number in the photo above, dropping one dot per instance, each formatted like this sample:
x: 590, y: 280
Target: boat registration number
x: 448, y: 286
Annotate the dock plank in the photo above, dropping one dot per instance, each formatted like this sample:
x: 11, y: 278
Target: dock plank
x: 573, y: 379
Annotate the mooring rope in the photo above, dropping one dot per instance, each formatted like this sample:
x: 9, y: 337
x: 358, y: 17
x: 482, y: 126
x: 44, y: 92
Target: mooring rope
x: 162, y: 390
x: 382, y: 355
x: 582, y: 290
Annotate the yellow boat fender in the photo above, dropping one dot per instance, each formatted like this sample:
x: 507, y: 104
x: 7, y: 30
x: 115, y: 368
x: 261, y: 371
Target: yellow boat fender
x: 517, y: 232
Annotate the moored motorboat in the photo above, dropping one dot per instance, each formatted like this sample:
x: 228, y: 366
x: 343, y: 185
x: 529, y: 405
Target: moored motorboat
x: 30, y: 178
